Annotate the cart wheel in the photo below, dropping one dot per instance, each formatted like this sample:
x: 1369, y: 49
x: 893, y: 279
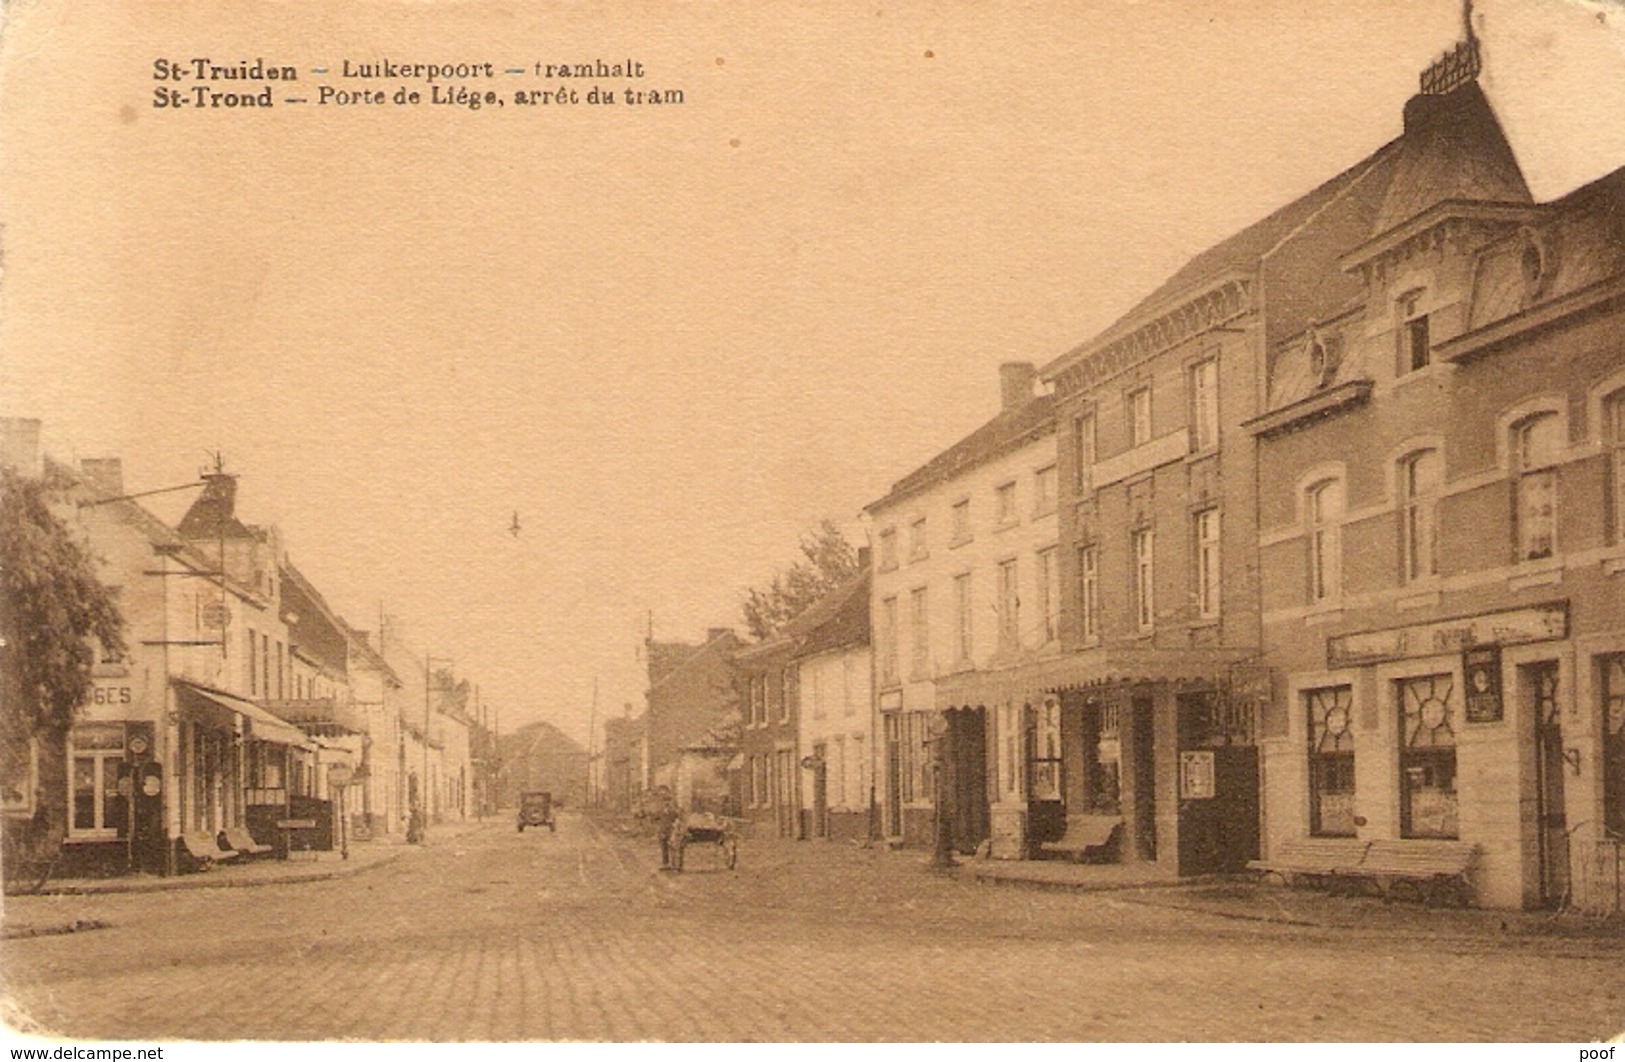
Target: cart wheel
x: 730, y: 853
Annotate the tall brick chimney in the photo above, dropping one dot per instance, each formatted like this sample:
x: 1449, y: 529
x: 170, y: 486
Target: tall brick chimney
x: 1016, y: 379
x: 19, y: 444
x: 106, y: 473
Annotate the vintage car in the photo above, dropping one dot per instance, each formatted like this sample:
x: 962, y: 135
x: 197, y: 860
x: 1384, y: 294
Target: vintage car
x: 536, y: 809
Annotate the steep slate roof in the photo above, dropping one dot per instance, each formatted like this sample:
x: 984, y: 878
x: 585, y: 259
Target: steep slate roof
x: 838, y: 620
x: 1453, y: 149
x: 1010, y: 429
x: 666, y: 657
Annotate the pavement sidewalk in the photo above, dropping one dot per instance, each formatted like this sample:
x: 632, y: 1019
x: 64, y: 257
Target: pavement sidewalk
x: 302, y: 867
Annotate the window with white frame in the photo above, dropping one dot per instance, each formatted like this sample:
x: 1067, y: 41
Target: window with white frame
x: 920, y: 628
x: 960, y: 517
x: 1420, y: 477
x: 1536, y: 442
x: 1083, y: 449
x: 253, y: 663
x: 758, y: 699
x: 97, y: 809
x: 1415, y: 345
x: 916, y: 540
x: 1206, y: 532
x: 1323, y: 509
x: 1138, y: 414
x: 1204, y: 378
x: 1427, y: 757
x: 1331, y: 761
x: 1089, y: 593
x: 1004, y: 503
x: 1049, y: 594
x: 888, y: 640
x: 1142, y: 545
x: 963, y: 619
x: 1009, y: 606
x: 1044, y: 491
x: 888, y: 549
x: 787, y: 691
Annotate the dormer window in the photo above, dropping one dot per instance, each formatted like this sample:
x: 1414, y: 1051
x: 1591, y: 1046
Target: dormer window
x: 1415, y: 347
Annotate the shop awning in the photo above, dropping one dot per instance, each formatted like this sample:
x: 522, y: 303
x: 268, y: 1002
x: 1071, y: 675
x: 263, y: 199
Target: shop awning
x: 1091, y: 668
x: 216, y: 708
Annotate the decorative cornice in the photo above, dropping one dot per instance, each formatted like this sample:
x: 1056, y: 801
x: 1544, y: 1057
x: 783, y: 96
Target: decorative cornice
x: 1432, y: 228
x: 1223, y: 301
x: 1318, y: 405
x: 1488, y: 338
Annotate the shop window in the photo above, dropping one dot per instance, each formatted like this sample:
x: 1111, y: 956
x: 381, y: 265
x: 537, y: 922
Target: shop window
x: 1331, y: 761
x: 1323, y: 509
x: 1420, y: 476
x: 1536, y: 444
x: 1089, y: 593
x: 1206, y: 534
x: 1044, y: 769
x: 1103, y: 752
x: 1613, y: 767
x: 1144, y: 579
x: 1427, y: 757
x: 96, y: 753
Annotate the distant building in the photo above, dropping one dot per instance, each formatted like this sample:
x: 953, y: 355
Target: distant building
x: 831, y: 682
x: 691, y: 697
x: 541, y: 756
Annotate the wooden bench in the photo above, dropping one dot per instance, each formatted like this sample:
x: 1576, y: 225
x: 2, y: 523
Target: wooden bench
x: 1434, y: 871
x: 1318, y: 859
x: 1086, y: 836
x: 1430, y: 870
x: 204, y: 850
x: 241, y: 842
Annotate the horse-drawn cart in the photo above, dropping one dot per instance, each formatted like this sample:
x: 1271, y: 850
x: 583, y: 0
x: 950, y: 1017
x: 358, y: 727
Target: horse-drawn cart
x: 703, y: 827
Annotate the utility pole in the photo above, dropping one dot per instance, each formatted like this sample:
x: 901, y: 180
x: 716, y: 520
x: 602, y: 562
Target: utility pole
x: 592, y: 723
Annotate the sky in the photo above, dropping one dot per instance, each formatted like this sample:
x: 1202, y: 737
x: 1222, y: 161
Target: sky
x: 671, y: 339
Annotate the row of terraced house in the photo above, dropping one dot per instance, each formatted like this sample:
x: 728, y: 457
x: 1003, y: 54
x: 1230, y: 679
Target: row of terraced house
x: 243, y: 704
x: 1324, y: 538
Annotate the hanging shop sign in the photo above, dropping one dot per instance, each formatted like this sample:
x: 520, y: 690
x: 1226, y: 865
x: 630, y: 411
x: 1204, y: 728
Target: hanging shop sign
x: 1481, y: 673
x: 1196, y: 776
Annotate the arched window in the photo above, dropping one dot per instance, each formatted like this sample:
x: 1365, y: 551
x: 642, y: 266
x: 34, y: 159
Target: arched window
x: 1420, y: 477
x: 1535, y: 445
x: 1323, y: 511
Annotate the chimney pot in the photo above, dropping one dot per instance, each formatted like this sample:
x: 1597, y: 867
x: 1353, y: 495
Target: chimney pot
x: 105, y: 472
x: 1016, y: 380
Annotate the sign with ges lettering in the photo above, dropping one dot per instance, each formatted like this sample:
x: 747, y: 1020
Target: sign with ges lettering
x: 1537, y: 623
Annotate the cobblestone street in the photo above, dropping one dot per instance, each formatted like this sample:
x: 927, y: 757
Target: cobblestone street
x: 495, y: 935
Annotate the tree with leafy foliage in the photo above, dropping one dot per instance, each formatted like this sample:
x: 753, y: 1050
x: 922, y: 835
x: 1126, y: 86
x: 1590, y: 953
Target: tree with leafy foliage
x: 51, y: 606
x: 827, y: 560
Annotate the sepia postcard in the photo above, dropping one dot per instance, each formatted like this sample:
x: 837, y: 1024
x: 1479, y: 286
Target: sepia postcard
x: 875, y: 521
